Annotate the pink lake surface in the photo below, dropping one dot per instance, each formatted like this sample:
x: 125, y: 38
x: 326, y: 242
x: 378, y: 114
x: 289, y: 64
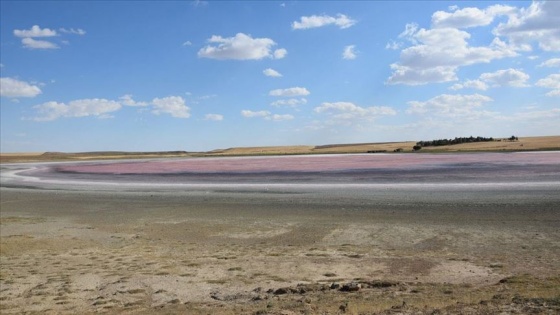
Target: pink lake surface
x: 311, y: 163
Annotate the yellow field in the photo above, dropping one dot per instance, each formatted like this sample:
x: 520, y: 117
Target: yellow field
x: 523, y: 144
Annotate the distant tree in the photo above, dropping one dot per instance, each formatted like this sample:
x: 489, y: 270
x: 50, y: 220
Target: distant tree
x: 439, y: 142
x: 513, y: 138
x: 416, y: 147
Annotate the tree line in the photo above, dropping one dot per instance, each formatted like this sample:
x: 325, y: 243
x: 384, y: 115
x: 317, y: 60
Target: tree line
x: 457, y: 140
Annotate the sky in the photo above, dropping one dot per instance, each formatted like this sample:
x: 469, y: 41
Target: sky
x: 201, y: 75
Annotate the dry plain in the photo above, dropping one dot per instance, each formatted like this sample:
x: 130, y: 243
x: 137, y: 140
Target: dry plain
x: 442, y: 241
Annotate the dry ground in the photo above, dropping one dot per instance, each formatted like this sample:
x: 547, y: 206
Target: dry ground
x: 223, y: 253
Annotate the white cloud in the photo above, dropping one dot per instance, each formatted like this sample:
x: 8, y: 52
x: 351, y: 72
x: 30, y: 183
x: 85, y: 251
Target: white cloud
x: 393, y: 45
x: 290, y: 92
x: 551, y: 82
x: 173, y: 105
x: 438, y: 53
x: 38, y: 44
x: 266, y: 115
x: 349, y: 111
x: 277, y: 117
x: 77, y: 31
x: 540, y: 22
x: 469, y: 17
x: 462, y: 106
x: 271, y: 73
x: 508, y: 77
x: 470, y: 84
x: 35, y: 31
x: 280, y: 53
x: 293, y: 102
x: 306, y: 22
x: 78, y: 108
x: 251, y: 114
x: 14, y: 88
x: 128, y: 101
x: 214, y: 117
x: 187, y: 43
x: 554, y: 62
x: 349, y: 52
x: 240, y: 47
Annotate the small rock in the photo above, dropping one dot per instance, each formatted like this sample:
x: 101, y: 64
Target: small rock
x: 281, y: 291
x: 351, y: 287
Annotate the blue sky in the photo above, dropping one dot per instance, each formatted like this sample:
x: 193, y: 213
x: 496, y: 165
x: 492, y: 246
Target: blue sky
x: 195, y: 75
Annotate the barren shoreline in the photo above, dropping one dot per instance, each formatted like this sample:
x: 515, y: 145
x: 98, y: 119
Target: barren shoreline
x: 371, y: 249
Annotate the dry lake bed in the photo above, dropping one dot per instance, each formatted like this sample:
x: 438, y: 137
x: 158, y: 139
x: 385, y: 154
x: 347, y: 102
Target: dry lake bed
x: 319, y: 234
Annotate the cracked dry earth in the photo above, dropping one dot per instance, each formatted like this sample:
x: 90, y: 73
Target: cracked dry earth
x: 291, y: 253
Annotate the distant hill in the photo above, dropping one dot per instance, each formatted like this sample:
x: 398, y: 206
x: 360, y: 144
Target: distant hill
x: 497, y: 145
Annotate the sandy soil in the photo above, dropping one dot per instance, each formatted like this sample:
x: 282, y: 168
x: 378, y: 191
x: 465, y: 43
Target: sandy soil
x: 280, y: 252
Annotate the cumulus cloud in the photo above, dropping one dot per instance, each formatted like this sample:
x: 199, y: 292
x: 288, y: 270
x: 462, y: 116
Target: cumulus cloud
x: 537, y: 23
x: 128, y: 101
x: 252, y: 114
x: 349, y: 52
x: 349, y: 111
x: 554, y: 62
x: 501, y: 78
x: 290, y: 92
x: 13, y: 88
x: 436, y: 55
x: 78, y: 108
x: 508, y: 77
x: 463, y: 106
x: 214, y: 117
x: 469, y: 17
x: 280, y: 53
x: 551, y: 82
x: 173, y: 105
x: 29, y: 41
x: 271, y: 73
x: 38, y: 44
x: 292, y: 102
x: 470, y: 84
x: 314, y: 21
x: 35, y: 31
x: 240, y: 47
